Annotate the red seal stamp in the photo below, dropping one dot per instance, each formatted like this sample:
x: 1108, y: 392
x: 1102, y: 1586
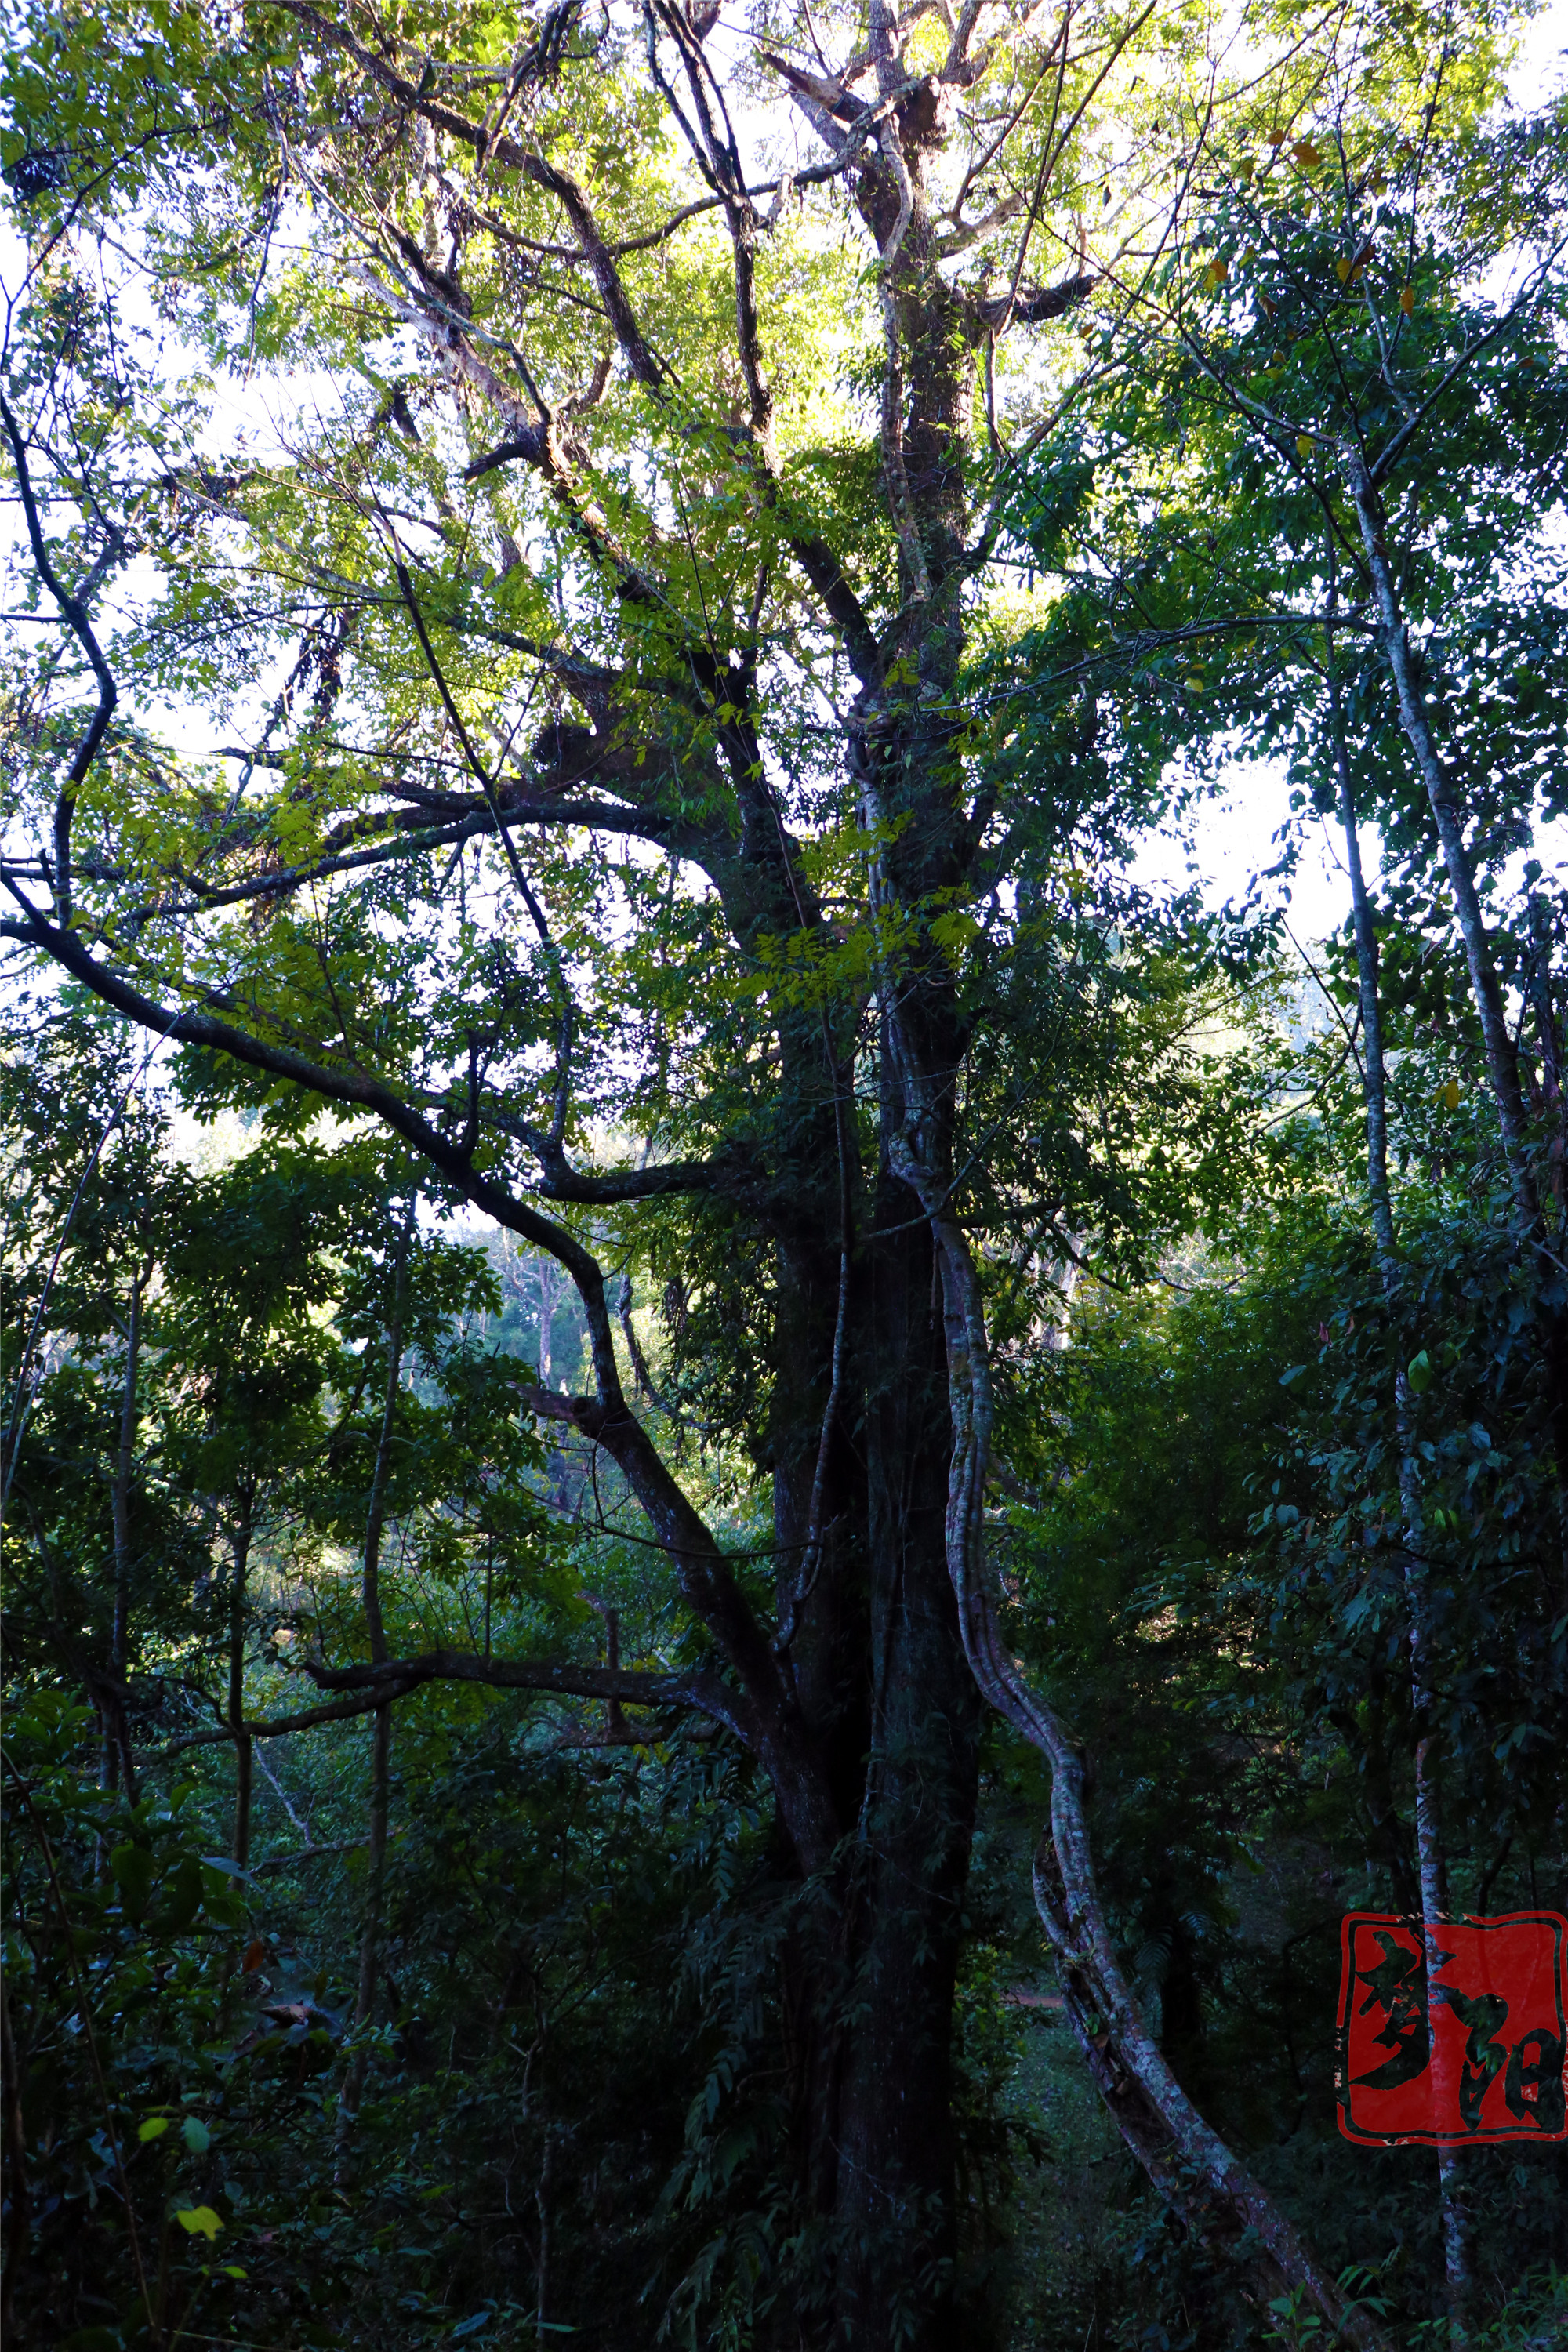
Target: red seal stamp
x: 1468, y: 2048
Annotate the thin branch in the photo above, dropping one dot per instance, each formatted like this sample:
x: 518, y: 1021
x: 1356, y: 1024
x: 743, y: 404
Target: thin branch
x: 75, y: 614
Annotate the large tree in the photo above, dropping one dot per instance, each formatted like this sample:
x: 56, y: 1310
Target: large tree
x: 608, y: 737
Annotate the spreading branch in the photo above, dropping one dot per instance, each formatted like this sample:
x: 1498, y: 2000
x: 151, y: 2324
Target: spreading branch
x: 75, y: 614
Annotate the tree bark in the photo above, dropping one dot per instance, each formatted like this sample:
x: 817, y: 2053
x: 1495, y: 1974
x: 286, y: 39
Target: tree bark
x: 541, y: 2267
x: 1157, y: 2119
x: 243, y: 1745
x: 1458, y: 2267
x: 381, y: 1735
x: 1502, y: 1061
x: 1501, y: 1056
x: 895, y: 2203
x: 118, y: 1764
x: 19, y: 2210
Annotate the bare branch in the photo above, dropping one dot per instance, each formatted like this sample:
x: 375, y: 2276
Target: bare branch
x: 372, y: 1686
x: 1034, y: 304
x: 75, y: 614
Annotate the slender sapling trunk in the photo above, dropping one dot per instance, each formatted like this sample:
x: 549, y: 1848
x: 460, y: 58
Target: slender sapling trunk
x: 380, y: 1737
x: 1457, y: 2232
x: 116, y: 1758
x: 243, y: 1757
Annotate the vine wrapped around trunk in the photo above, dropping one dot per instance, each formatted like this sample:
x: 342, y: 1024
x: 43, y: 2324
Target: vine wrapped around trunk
x: 1185, y: 2158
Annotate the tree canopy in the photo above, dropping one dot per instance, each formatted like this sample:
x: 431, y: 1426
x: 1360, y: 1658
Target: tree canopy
x: 785, y: 1402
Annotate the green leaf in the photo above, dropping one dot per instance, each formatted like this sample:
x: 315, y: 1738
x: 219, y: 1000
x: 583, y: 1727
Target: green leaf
x: 154, y: 2128
x: 196, y: 2134
x: 183, y: 1891
x: 131, y: 1866
x: 198, y: 2220
x: 1418, y: 1373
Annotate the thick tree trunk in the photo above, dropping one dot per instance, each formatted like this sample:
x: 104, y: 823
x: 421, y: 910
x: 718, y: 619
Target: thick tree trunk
x: 896, y: 2171
x: 870, y: 1631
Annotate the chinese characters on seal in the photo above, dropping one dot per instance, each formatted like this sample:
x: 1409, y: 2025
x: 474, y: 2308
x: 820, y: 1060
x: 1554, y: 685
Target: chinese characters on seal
x: 1472, y: 2049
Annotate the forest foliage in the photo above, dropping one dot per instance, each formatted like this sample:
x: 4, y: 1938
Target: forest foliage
x: 738, y: 1492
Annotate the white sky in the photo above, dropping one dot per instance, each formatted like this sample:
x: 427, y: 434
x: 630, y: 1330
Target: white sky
x: 1234, y: 841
